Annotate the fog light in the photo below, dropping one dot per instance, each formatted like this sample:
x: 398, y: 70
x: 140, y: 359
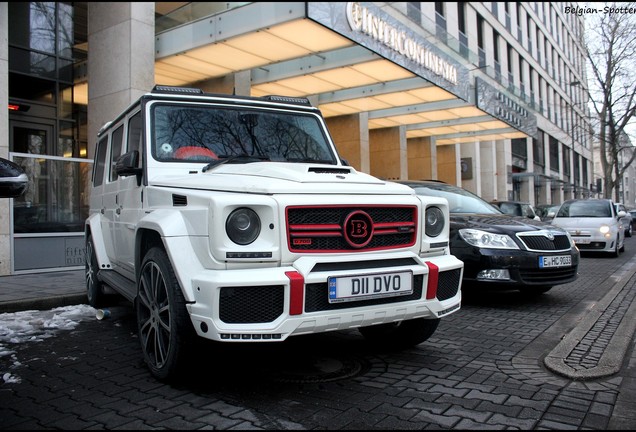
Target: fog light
x: 494, y: 275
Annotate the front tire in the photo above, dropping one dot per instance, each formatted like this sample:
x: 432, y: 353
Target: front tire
x: 94, y: 288
x: 400, y: 335
x: 163, y: 322
x: 616, y: 253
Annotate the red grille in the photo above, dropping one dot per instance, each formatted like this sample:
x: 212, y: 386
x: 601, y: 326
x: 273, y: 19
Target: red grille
x: 350, y: 228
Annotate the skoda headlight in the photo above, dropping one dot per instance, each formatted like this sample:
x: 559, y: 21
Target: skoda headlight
x: 243, y: 226
x: 483, y: 239
x: 434, y: 220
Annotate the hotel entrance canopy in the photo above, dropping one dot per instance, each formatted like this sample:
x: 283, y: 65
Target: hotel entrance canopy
x: 347, y: 58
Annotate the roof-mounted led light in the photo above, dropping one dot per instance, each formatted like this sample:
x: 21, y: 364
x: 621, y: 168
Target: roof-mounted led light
x: 288, y: 99
x: 173, y: 89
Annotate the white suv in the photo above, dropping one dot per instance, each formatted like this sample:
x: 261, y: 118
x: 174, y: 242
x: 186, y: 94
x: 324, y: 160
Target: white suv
x: 234, y: 219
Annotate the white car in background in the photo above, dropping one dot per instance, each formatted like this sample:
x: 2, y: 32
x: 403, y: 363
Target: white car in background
x: 593, y: 224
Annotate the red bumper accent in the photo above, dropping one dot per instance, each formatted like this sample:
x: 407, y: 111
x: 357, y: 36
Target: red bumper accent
x: 433, y: 274
x: 296, y: 292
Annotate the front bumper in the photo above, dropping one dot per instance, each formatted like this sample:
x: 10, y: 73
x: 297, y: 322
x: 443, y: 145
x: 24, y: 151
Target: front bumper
x: 274, y: 303
x: 522, y: 265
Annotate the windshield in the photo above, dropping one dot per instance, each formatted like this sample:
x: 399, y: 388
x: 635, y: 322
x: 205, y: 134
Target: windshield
x: 204, y: 133
x: 459, y: 200
x: 585, y: 208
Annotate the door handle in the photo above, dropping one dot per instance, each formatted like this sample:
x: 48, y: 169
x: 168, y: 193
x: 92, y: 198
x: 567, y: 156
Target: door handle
x: 118, y: 210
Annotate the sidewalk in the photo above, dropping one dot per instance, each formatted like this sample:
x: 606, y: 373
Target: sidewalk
x: 42, y: 290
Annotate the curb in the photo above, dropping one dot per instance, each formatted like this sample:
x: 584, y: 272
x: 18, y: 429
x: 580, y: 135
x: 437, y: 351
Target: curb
x: 43, y: 303
x: 611, y: 360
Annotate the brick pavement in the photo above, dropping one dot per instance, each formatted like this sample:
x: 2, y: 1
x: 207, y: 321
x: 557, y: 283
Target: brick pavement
x: 484, y: 368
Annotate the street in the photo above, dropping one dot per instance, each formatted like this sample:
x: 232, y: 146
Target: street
x: 482, y: 369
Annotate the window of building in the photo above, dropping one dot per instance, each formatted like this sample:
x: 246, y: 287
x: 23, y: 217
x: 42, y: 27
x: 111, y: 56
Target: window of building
x: 566, y: 160
x: 538, y: 149
x: 554, y: 154
x: 414, y: 12
x: 461, y: 16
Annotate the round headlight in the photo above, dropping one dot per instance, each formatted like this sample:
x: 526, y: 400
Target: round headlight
x: 243, y: 226
x: 434, y: 221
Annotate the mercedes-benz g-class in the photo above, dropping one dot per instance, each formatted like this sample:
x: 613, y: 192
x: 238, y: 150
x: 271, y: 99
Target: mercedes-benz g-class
x: 234, y: 219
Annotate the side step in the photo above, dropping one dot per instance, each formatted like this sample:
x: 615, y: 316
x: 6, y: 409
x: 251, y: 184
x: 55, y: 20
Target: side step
x: 119, y: 283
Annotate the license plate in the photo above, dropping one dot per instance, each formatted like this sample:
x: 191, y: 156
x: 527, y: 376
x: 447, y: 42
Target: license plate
x: 365, y: 287
x: 581, y: 240
x: 555, y: 261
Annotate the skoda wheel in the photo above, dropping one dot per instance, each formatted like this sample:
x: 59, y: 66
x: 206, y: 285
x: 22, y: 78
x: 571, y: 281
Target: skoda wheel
x: 162, y: 319
x: 94, y: 288
x: 402, y: 334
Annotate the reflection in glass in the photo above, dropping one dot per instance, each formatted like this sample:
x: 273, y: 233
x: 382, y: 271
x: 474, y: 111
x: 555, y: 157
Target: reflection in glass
x: 57, y: 197
x: 188, y: 133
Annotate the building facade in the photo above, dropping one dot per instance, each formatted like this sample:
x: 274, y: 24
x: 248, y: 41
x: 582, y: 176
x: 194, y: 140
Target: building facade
x: 491, y: 96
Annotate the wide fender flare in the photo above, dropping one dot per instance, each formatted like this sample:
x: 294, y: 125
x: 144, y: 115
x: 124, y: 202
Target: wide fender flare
x: 172, y: 227
x: 93, y: 227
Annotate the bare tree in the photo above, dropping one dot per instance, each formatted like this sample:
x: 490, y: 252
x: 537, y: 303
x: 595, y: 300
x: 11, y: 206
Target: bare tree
x: 611, y: 54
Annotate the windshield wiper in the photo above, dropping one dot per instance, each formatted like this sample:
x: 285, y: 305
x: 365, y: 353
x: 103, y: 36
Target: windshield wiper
x: 244, y: 158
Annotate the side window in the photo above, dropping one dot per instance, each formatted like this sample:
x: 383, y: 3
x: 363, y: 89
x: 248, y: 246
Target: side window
x: 100, y: 162
x: 135, y: 133
x: 115, y: 150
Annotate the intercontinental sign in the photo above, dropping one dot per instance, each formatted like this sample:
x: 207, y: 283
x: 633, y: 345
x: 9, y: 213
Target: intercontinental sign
x: 372, y: 28
x: 361, y: 19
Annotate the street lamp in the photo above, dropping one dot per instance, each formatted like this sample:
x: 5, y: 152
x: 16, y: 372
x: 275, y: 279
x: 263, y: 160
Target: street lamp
x: 573, y: 84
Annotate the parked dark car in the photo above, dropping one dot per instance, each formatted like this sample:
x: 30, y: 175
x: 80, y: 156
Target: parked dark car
x: 502, y: 251
x: 13, y: 180
x: 516, y: 208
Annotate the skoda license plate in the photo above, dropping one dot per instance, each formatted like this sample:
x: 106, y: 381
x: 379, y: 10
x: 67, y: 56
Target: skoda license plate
x: 555, y: 261
x: 365, y: 287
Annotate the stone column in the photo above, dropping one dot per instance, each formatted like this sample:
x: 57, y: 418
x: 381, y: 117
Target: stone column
x: 447, y: 163
x: 5, y: 227
x: 121, y: 59
x: 489, y: 175
x: 387, y: 147
x: 421, y: 159
x: 350, y: 133
x: 237, y: 84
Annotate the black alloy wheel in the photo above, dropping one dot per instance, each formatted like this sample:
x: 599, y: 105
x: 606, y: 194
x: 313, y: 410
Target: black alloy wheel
x: 163, y: 322
x: 94, y: 288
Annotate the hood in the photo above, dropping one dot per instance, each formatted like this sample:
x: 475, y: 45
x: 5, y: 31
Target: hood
x: 280, y: 177
x: 496, y: 223
x: 583, y: 222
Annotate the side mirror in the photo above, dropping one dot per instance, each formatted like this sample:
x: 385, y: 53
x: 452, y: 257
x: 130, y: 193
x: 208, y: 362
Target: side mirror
x: 621, y: 214
x: 13, y: 179
x: 127, y: 165
x: 551, y: 214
